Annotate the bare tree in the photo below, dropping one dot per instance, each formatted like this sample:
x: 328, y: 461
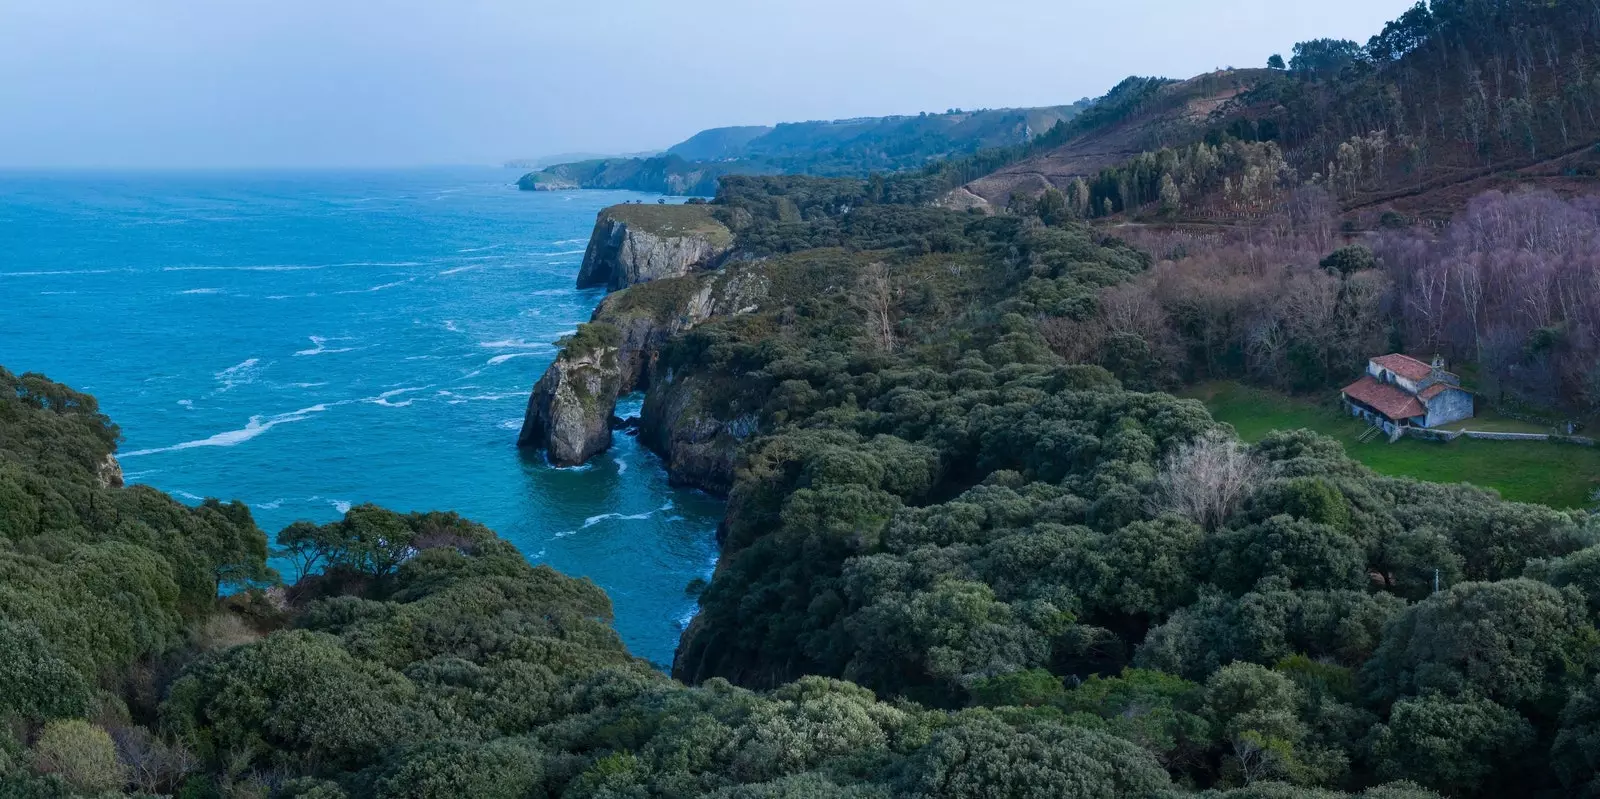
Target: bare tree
x: 1205, y: 480
x: 876, y: 297
x: 152, y: 765
x: 1427, y: 297
x: 1469, y: 291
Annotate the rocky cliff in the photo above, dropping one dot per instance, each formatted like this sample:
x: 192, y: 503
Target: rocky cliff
x: 538, y: 181
x: 569, y: 413
x: 698, y: 446
x: 634, y: 244
x: 109, y: 473
x: 573, y: 402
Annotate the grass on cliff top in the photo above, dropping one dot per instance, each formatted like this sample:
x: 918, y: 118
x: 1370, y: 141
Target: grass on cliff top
x: 661, y: 300
x: 1550, y: 473
x: 590, y: 337
x: 673, y: 220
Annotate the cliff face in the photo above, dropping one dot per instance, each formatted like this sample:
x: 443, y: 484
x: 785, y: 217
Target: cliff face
x: 698, y: 447
x: 572, y: 404
x: 634, y: 244
x: 538, y: 181
x: 109, y: 473
x: 569, y: 414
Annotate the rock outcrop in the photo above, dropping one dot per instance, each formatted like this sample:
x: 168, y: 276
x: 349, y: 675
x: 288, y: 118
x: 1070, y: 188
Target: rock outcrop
x: 538, y: 181
x: 618, y: 353
x: 569, y: 413
x: 699, y: 448
x: 634, y: 244
x: 109, y: 473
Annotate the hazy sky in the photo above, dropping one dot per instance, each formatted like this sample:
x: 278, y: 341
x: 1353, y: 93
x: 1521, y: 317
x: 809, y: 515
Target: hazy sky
x: 208, y: 83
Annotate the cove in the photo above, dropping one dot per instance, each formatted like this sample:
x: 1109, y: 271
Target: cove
x: 306, y: 341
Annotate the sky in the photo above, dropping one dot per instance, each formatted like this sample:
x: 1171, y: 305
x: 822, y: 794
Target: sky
x: 331, y: 83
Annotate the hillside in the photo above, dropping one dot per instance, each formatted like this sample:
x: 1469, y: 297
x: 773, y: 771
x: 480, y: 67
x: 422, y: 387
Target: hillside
x: 1448, y: 101
x: 718, y: 144
x: 954, y: 480
x: 846, y: 147
x: 1138, y: 115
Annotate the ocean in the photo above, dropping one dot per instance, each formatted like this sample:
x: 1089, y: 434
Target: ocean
x: 305, y: 341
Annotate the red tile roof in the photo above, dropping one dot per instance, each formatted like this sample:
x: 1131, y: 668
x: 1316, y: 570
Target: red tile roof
x: 1404, y: 365
x: 1436, y: 389
x: 1384, y: 398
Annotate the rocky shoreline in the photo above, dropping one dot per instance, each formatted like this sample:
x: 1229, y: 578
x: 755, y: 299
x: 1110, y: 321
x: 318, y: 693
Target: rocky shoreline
x: 668, y: 269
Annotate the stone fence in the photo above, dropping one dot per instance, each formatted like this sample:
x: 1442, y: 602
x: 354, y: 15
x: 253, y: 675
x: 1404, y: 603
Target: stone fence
x: 1451, y: 435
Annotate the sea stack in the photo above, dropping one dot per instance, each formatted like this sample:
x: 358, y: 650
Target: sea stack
x: 569, y: 413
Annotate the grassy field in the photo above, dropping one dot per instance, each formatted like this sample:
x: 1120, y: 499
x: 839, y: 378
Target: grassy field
x: 1559, y: 475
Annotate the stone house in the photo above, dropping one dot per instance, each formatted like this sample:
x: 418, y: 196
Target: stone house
x: 1399, y: 391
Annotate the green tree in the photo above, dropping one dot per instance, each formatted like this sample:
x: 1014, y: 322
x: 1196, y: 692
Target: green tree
x: 35, y: 683
x: 1256, y: 711
x: 1515, y: 642
x: 293, y: 692
x: 81, y: 754
x: 981, y: 756
x: 502, y: 769
x: 1349, y: 260
x: 1463, y: 746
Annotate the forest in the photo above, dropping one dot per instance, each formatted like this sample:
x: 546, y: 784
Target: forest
x: 956, y: 562
x: 1451, y: 99
x: 973, y: 547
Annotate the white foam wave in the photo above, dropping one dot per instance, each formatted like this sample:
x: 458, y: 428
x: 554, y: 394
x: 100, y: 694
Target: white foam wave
x: 340, y: 505
x: 460, y: 269
x: 515, y: 344
x: 265, y: 268
x: 49, y: 293
x: 482, y: 249
x: 189, y: 496
x: 569, y: 241
x: 499, y: 359
x: 564, y: 252
x: 202, y: 291
x: 273, y: 505
x: 383, y: 399
x: 52, y: 272
x: 231, y: 438
x: 239, y: 374
x: 187, y: 403
x: 322, y: 347
x: 634, y: 517
x: 510, y: 424
x: 551, y: 292
x: 450, y: 325
x: 378, y: 288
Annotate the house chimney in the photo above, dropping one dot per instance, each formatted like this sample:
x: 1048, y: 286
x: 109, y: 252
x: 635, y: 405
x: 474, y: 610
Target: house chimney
x: 1437, y: 373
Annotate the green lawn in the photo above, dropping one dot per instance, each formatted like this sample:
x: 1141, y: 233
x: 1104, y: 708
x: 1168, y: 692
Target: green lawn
x: 1559, y: 475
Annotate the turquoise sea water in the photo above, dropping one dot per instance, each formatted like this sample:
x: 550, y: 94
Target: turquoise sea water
x: 305, y: 341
